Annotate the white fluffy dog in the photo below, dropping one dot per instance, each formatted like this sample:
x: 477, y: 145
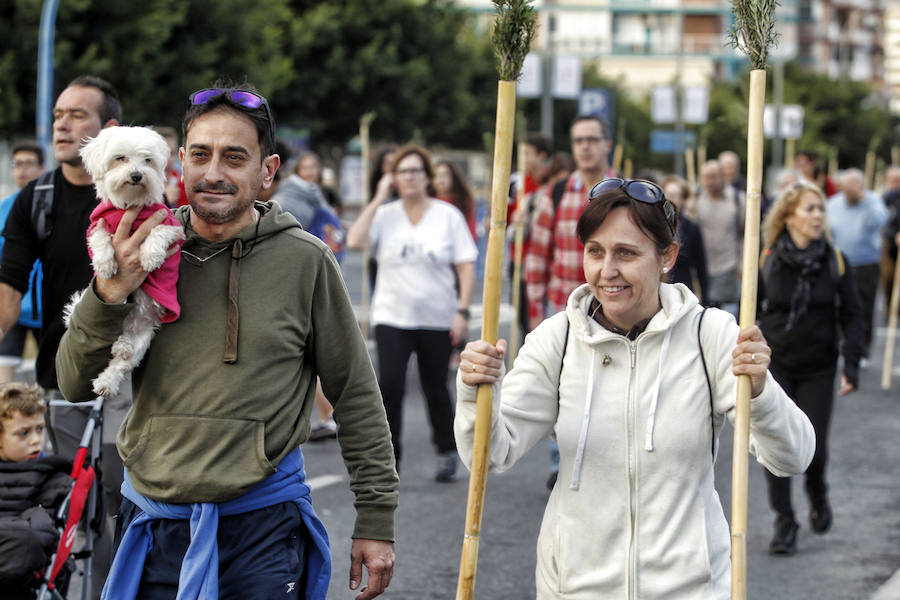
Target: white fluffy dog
x: 128, y: 166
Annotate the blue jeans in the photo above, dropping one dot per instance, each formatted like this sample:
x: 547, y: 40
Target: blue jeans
x: 261, y: 554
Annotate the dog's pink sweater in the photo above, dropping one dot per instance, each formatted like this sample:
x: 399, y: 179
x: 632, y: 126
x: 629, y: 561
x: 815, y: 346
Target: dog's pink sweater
x: 160, y: 283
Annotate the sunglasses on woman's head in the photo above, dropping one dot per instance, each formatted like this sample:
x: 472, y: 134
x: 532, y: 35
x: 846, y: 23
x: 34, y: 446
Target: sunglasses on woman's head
x: 640, y: 190
x: 244, y: 98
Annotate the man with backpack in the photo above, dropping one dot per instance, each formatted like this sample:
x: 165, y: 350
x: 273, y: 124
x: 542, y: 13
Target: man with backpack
x: 48, y: 222
x: 553, y: 265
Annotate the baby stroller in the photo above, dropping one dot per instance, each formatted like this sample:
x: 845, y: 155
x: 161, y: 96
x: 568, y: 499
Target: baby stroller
x: 84, y: 496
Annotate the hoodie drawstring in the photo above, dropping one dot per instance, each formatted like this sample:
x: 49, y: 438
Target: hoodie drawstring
x: 233, y: 318
x: 651, y: 418
x: 582, y: 438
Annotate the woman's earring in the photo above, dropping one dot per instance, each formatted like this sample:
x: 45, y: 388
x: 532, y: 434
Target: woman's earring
x: 665, y: 269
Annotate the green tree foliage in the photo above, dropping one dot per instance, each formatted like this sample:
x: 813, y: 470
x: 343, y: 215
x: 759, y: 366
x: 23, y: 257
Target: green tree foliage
x: 417, y: 65
x: 845, y: 115
x: 155, y: 52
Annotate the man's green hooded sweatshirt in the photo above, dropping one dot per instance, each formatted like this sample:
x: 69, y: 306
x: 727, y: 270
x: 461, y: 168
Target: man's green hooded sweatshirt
x: 226, y: 391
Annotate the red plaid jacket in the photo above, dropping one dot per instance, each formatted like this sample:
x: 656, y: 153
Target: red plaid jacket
x: 553, y: 265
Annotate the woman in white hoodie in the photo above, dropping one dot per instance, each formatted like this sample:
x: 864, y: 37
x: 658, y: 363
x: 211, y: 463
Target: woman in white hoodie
x: 634, y: 380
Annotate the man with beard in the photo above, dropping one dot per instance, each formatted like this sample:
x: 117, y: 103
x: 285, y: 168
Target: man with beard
x: 215, y: 499
x: 553, y: 265
x: 56, y: 237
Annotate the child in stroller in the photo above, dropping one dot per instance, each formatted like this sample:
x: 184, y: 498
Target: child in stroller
x: 32, y: 487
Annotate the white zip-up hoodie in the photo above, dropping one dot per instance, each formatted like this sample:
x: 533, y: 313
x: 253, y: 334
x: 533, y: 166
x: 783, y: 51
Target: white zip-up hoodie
x: 634, y: 513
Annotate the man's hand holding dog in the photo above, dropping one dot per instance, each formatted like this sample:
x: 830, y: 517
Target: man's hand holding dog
x: 129, y: 273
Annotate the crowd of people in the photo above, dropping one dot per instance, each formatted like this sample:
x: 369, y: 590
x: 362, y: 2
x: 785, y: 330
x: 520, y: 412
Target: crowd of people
x: 629, y: 295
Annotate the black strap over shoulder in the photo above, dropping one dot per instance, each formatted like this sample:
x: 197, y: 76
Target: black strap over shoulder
x: 712, y: 410
x: 562, y: 359
x: 559, y: 190
x: 42, y: 206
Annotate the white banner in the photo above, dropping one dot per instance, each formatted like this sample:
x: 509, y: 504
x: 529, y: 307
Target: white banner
x: 663, y: 104
x: 695, y: 104
x: 529, y: 85
x: 566, y: 77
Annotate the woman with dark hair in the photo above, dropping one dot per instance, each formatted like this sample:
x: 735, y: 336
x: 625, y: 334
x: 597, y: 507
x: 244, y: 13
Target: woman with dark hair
x: 424, y: 250
x: 811, y: 312
x: 450, y: 186
x: 690, y: 267
x: 634, y: 379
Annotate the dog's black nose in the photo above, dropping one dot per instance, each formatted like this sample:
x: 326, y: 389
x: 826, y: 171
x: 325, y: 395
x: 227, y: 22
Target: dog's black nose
x: 136, y: 177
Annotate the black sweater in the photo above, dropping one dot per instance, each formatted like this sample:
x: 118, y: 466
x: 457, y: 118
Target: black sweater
x: 64, y: 255
x: 813, y: 342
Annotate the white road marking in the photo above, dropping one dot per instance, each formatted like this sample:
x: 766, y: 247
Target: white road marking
x: 323, y: 481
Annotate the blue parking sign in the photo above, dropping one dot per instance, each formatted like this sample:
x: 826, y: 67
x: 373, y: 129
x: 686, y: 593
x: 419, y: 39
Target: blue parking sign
x: 597, y: 101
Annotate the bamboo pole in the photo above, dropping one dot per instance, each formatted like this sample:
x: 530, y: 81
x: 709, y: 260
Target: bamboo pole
x: 518, y: 244
x: 833, y: 163
x: 365, y: 152
x: 892, y: 329
x: 506, y: 99
x: 789, y: 153
x: 701, y: 154
x: 690, y: 170
x: 629, y: 168
x: 753, y: 32
x: 895, y: 155
x: 870, y: 170
x: 617, y: 158
x: 740, y: 467
x: 511, y: 38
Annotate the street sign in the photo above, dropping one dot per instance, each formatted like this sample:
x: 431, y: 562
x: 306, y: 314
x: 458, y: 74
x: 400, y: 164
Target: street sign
x: 597, y: 101
x: 666, y: 141
x: 789, y: 123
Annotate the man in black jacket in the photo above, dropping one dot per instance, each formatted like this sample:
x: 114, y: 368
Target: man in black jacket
x: 87, y: 105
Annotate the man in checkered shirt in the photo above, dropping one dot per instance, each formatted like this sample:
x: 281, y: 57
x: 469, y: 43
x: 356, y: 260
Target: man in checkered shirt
x: 553, y: 265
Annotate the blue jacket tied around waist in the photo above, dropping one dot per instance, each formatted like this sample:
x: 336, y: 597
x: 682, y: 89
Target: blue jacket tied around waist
x: 199, y: 577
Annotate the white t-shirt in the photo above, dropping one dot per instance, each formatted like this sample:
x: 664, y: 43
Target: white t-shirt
x: 416, y: 287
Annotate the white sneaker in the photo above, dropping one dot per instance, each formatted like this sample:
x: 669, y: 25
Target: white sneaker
x: 326, y: 430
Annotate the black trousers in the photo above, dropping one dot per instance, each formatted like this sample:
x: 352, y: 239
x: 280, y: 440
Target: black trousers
x: 261, y: 554
x: 813, y: 392
x: 432, y: 350
x: 867, y: 281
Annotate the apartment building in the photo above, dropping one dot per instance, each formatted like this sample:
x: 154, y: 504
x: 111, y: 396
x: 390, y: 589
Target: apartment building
x: 650, y: 42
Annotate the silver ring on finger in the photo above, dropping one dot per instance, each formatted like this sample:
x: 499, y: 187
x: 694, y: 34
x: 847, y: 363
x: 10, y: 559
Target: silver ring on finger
x: 474, y: 368
x: 753, y: 357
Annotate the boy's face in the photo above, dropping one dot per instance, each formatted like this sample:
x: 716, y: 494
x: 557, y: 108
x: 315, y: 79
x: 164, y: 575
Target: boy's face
x: 22, y: 437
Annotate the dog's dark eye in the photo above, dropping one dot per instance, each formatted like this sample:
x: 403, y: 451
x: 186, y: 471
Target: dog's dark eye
x: 120, y: 159
x: 148, y: 160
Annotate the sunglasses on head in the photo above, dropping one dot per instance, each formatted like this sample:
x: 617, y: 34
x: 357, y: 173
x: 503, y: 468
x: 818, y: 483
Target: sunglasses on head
x: 640, y: 190
x: 244, y: 98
